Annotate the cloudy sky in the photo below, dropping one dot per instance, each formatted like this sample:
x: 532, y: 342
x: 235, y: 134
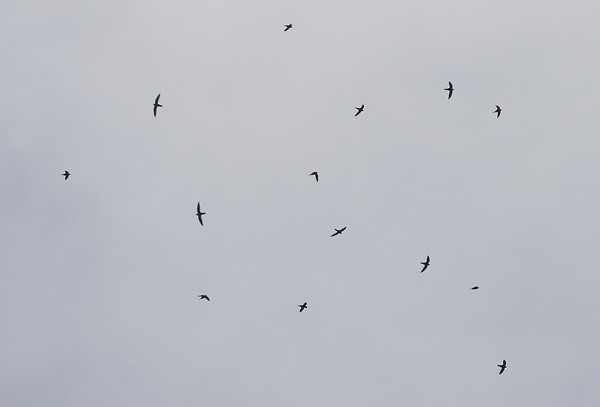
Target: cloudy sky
x: 100, y: 273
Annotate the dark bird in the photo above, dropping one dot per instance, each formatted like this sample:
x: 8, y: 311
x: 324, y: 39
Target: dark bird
x: 199, y: 214
x: 156, y: 105
x: 316, y: 174
x: 287, y: 27
x: 303, y: 307
x: 338, y: 231
x: 425, y: 264
x: 360, y: 109
x: 66, y: 174
x: 475, y: 288
x: 203, y: 297
x: 502, y: 366
x: 450, y: 89
x: 498, y: 111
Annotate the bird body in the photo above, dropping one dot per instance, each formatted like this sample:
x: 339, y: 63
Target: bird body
x: 425, y: 264
x: 475, y: 288
x: 199, y: 214
x: 360, y: 110
x: 502, y: 366
x: 66, y: 174
x: 497, y: 111
x: 450, y: 89
x: 303, y: 307
x: 203, y: 297
x: 316, y: 174
x: 338, y: 231
x: 287, y: 27
x: 156, y: 105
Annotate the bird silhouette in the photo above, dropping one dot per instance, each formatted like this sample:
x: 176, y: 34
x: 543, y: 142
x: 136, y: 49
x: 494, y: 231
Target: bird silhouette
x: 287, y: 27
x: 203, y: 297
x: 66, y: 174
x: 338, y: 231
x: 498, y: 111
x: 199, y: 214
x: 475, y: 288
x: 425, y: 264
x: 502, y: 366
x: 156, y: 105
x: 303, y: 307
x: 450, y: 89
x: 316, y: 174
x: 360, y: 109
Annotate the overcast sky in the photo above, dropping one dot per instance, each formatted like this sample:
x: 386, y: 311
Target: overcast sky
x: 100, y: 273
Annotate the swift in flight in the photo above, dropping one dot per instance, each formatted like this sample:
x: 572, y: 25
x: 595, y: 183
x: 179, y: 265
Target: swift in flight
x: 156, y: 105
x: 360, y: 110
x: 450, y: 89
x: 425, y: 264
x: 338, y: 231
x: 497, y: 111
x: 502, y: 366
x: 199, y: 214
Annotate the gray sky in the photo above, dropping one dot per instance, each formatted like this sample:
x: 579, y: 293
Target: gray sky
x: 100, y: 273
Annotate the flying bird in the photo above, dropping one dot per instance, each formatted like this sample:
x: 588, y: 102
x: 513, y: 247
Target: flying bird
x: 450, y: 89
x: 287, y: 27
x: 156, y: 105
x: 502, y: 366
x: 338, y: 231
x: 199, y: 214
x: 203, y: 297
x: 316, y: 174
x: 360, y: 109
x: 303, y: 307
x: 66, y: 174
x: 425, y: 264
x: 475, y: 288
x: 498, y: 111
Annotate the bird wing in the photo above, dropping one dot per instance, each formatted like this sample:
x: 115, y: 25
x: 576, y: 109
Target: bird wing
x: 342, y: 229
x: 198, y: 209
x: 154, y: 110
x: 156, y: 100
x: 450, y: 93
x: 427, y: 259
x: 317, y: 177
